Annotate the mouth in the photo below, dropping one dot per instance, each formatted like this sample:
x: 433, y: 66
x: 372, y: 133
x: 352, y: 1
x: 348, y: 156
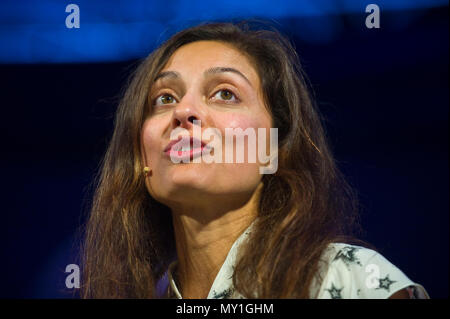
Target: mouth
x: 185, y: 148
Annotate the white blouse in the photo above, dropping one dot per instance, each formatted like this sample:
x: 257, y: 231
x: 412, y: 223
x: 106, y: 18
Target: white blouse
x: 348, y: 272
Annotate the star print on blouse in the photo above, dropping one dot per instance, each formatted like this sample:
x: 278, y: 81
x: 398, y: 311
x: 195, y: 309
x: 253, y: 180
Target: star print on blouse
x: 335, y: 292
x: 349, y: 274
x: 347, y: 255
x: 224, y: 294
x: 385, y: 283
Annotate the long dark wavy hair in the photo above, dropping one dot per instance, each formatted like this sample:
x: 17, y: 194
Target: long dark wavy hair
x: 128, y: 239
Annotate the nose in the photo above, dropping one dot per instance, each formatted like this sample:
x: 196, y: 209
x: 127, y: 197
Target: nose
x: 184, y: 115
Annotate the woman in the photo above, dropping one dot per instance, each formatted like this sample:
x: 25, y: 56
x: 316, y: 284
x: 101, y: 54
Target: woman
x: 222, y: 229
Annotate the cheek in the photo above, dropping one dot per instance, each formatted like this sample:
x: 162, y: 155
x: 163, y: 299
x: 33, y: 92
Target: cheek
x: 151, y: 148
x: 241, y: 121
x: 246, y: 121
x: 150, y: 142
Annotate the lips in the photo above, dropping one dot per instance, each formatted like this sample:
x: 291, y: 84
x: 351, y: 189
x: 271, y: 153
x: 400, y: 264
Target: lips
x: 184, y: 148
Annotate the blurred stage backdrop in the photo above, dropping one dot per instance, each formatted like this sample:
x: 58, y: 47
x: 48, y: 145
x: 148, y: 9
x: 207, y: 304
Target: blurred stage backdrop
x: 383, y: 91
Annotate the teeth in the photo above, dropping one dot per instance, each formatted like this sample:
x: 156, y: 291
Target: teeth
x: 185, y: 148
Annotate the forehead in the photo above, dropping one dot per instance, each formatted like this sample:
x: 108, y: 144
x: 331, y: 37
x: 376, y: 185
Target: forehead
x: 199, y: 56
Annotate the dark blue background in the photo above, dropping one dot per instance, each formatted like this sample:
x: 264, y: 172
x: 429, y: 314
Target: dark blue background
x: 383, y: 92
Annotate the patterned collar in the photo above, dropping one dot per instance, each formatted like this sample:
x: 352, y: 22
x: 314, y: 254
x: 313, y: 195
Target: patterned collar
x: 222, y: 287
x: 344, y: 275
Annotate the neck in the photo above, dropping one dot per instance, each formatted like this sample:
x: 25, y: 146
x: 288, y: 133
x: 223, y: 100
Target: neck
x: 203, y: 243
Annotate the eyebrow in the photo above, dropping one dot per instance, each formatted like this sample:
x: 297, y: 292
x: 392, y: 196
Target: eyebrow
x: 209, y: 72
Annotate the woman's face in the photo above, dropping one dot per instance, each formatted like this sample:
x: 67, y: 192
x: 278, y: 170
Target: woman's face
x: 214, y: 83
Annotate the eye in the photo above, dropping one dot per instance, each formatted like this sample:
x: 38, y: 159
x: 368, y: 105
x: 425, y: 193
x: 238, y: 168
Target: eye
x: 164, y: 99
x: 226, y: 95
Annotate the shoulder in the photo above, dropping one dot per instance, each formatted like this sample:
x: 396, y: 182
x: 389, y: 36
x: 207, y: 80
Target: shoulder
x: 351, y: 271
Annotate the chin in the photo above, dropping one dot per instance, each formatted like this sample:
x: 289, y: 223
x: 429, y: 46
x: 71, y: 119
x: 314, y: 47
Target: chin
x: 186, y: 178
